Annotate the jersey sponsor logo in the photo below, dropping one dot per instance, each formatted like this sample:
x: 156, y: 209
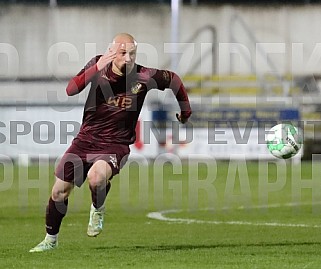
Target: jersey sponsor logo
x: 136, y: 88
x: 120, y: 101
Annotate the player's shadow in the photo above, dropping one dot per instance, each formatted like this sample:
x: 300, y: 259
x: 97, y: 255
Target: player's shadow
x: 214, y: 246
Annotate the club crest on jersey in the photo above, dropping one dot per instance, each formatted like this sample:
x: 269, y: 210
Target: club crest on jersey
x: 166, y: 76
x: 136, y: 88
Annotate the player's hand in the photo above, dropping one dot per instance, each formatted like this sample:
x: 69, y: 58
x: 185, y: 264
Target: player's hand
x: 181, y: 118
x: 107, y: 58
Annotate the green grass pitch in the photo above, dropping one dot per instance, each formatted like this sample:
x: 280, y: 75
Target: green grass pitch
x: 233, y: 214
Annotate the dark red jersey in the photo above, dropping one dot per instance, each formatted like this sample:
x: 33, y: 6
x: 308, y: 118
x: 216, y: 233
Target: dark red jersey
x: 114, y: 102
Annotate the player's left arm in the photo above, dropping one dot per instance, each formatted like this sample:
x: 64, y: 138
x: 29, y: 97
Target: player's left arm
x: 165, y: 79
x: 177, y: 86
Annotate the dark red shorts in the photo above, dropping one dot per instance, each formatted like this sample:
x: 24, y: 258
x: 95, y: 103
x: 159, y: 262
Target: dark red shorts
x: 80, y: 156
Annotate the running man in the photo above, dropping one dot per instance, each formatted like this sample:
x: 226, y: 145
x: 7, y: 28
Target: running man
x: 118, y: 89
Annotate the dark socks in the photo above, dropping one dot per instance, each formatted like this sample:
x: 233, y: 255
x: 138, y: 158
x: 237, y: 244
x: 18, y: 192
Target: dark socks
x: 54, y: 214
x: 98, y: 196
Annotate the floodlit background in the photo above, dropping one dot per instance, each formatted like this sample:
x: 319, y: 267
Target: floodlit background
x: 217, y: 198
x: 254, y: 64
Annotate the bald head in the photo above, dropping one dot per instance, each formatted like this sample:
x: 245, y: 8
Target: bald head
x: 125, y: 47
x: 124, y: 38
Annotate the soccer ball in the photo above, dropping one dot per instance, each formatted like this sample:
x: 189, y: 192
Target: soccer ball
x: 284, y: 141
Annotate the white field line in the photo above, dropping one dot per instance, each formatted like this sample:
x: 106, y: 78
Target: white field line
x: 161, y: 216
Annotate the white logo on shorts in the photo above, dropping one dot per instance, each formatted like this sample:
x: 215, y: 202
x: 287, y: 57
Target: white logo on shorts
x: 113, y: 160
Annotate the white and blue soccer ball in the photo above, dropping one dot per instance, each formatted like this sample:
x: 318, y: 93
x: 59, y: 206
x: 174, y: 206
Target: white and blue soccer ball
x: 284, y: 141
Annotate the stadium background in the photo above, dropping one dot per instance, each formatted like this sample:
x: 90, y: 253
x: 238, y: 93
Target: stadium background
x: 241, y: 62
x: 166, y: 212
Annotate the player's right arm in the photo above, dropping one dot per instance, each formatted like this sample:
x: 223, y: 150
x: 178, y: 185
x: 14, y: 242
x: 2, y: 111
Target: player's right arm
x: 81, y: 80
x: 92, y: 68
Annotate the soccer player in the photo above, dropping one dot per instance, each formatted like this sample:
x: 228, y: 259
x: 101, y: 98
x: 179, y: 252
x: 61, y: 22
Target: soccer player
x: 118, y: 89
